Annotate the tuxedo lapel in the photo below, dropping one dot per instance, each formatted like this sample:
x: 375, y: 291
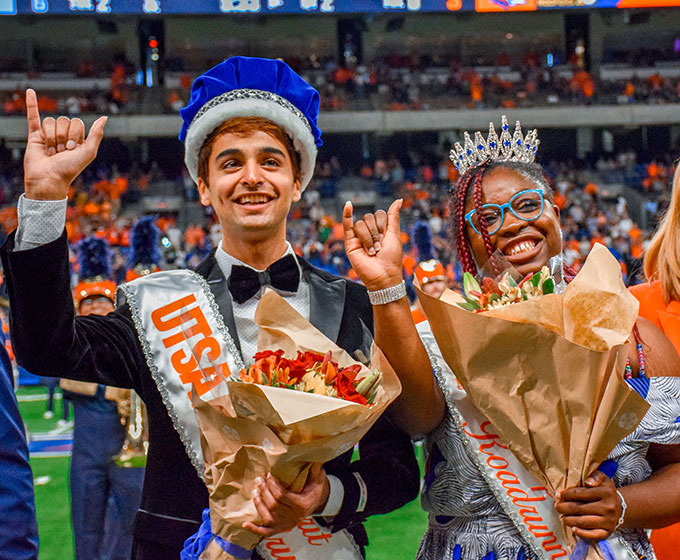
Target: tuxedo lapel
x: 220, y: 289
x: 326, y: 301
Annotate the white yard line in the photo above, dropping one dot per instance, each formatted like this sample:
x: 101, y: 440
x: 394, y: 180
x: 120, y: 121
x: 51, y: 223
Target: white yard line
x: 31, y: 398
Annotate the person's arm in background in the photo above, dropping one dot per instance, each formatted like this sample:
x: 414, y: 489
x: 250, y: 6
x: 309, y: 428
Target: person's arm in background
x: 18, y: 528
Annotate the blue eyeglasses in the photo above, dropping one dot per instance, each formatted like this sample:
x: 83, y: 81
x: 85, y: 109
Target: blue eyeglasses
x: 525, y: 205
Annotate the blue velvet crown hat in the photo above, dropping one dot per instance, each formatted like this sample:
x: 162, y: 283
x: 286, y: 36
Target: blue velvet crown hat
x: 252, y: 87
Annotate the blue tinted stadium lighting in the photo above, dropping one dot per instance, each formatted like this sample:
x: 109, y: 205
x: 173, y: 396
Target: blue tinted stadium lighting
x: 149, y: 78
x: 140, y: 78
x: 37, y: 6
x: 550, y: 60
x: 8, y: 7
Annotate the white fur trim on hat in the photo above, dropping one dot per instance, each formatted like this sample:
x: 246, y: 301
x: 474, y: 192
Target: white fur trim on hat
x: 200, y: 129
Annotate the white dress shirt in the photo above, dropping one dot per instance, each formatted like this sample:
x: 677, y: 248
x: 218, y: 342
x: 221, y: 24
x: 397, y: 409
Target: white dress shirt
x: 244, y: 313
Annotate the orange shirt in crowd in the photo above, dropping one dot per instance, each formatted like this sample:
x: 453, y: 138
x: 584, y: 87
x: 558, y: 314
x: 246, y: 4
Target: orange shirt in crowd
x: 560, y: 200
x: 476, y: 88
x: 118, y: 186
x: 591, y: 188
x: 408, y: 263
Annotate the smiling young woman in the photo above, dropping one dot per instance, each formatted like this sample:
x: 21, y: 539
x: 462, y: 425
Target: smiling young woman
x: 505, y: 206
x: 502, y: 202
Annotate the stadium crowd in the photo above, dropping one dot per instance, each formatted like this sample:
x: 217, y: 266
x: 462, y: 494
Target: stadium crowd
x: 593, y: 198
x: 398, y: 82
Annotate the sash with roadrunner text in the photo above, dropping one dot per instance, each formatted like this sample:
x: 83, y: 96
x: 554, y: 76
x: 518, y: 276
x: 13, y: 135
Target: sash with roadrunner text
x: 524, y: 500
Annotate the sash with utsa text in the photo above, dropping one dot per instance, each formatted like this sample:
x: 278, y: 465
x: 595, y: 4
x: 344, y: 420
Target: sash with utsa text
x: 188, y: 348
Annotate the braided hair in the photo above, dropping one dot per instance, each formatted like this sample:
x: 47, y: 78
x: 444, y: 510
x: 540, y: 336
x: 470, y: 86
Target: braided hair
x: 470, y: 185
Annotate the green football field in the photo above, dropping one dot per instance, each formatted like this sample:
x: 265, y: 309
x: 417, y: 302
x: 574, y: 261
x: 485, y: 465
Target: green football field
x: 394, y: 536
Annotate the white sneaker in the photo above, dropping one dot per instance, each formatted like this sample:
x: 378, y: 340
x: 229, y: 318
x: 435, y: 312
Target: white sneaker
x: 64, y: 423
x: 48, y: 415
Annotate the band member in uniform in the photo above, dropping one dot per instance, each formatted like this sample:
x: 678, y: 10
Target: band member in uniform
x: 431, y: 277
x: 104, y: 495
x: 429, y: 272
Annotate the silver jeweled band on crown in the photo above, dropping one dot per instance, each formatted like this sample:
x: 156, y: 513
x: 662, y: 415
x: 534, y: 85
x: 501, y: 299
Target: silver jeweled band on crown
x: 236, y: 94
x: 506, y: 148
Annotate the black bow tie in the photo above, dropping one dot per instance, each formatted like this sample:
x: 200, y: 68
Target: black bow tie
x: 245, y: 282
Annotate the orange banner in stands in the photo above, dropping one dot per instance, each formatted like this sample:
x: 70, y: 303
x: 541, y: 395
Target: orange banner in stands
x: 647, y: 3
x: 506, y: 5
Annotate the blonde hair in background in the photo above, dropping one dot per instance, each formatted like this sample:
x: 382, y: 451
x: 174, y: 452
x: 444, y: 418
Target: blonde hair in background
x: 662, y: 258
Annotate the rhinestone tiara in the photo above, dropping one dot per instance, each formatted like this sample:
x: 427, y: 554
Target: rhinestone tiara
x: 515, y: 147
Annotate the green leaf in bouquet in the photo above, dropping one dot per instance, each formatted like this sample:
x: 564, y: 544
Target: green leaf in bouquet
x: 536, y: 278
x: 470, y: 284
x: 494, y: 297
x: 511, y: 281
x: 274, y: 379
x: 473, y: 302
x: 548, y: 286
x: 469, y: 306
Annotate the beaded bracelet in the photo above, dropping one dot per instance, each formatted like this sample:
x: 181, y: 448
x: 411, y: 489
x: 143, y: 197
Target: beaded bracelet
x: 628, y: 372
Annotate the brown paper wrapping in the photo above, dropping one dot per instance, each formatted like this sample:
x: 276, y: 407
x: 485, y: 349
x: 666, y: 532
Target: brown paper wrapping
x: 548, y: 372
x: 257, y: 429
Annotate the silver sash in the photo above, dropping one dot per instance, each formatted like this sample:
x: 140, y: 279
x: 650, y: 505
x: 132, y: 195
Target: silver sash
x: 523, y: 499
x: 187, y: 346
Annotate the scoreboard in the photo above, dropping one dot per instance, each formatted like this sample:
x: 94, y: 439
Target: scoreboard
x: 158, y: 7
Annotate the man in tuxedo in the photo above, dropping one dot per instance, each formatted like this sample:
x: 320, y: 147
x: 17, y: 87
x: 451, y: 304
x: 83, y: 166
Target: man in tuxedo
x: 250, y: 139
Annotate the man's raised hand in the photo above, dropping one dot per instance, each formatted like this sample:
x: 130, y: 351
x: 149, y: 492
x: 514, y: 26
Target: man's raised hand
x: 373, y: 246
x: 56, y: 151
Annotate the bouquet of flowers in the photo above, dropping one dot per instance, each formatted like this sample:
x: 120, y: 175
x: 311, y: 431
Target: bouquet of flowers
x: 304, y: 400
x: 493, y: 294
x: 547, y: 372
x: 313, y: 373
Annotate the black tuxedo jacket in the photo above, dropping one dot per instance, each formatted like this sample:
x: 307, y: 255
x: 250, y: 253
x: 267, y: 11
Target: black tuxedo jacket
x: 49, y: 340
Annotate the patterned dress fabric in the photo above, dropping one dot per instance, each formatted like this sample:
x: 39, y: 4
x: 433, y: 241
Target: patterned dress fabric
x: 466, y: 521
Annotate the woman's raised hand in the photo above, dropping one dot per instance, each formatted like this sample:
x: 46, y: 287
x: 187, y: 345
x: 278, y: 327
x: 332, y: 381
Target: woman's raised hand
x: 373, y: 246
x: 56, y: 151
